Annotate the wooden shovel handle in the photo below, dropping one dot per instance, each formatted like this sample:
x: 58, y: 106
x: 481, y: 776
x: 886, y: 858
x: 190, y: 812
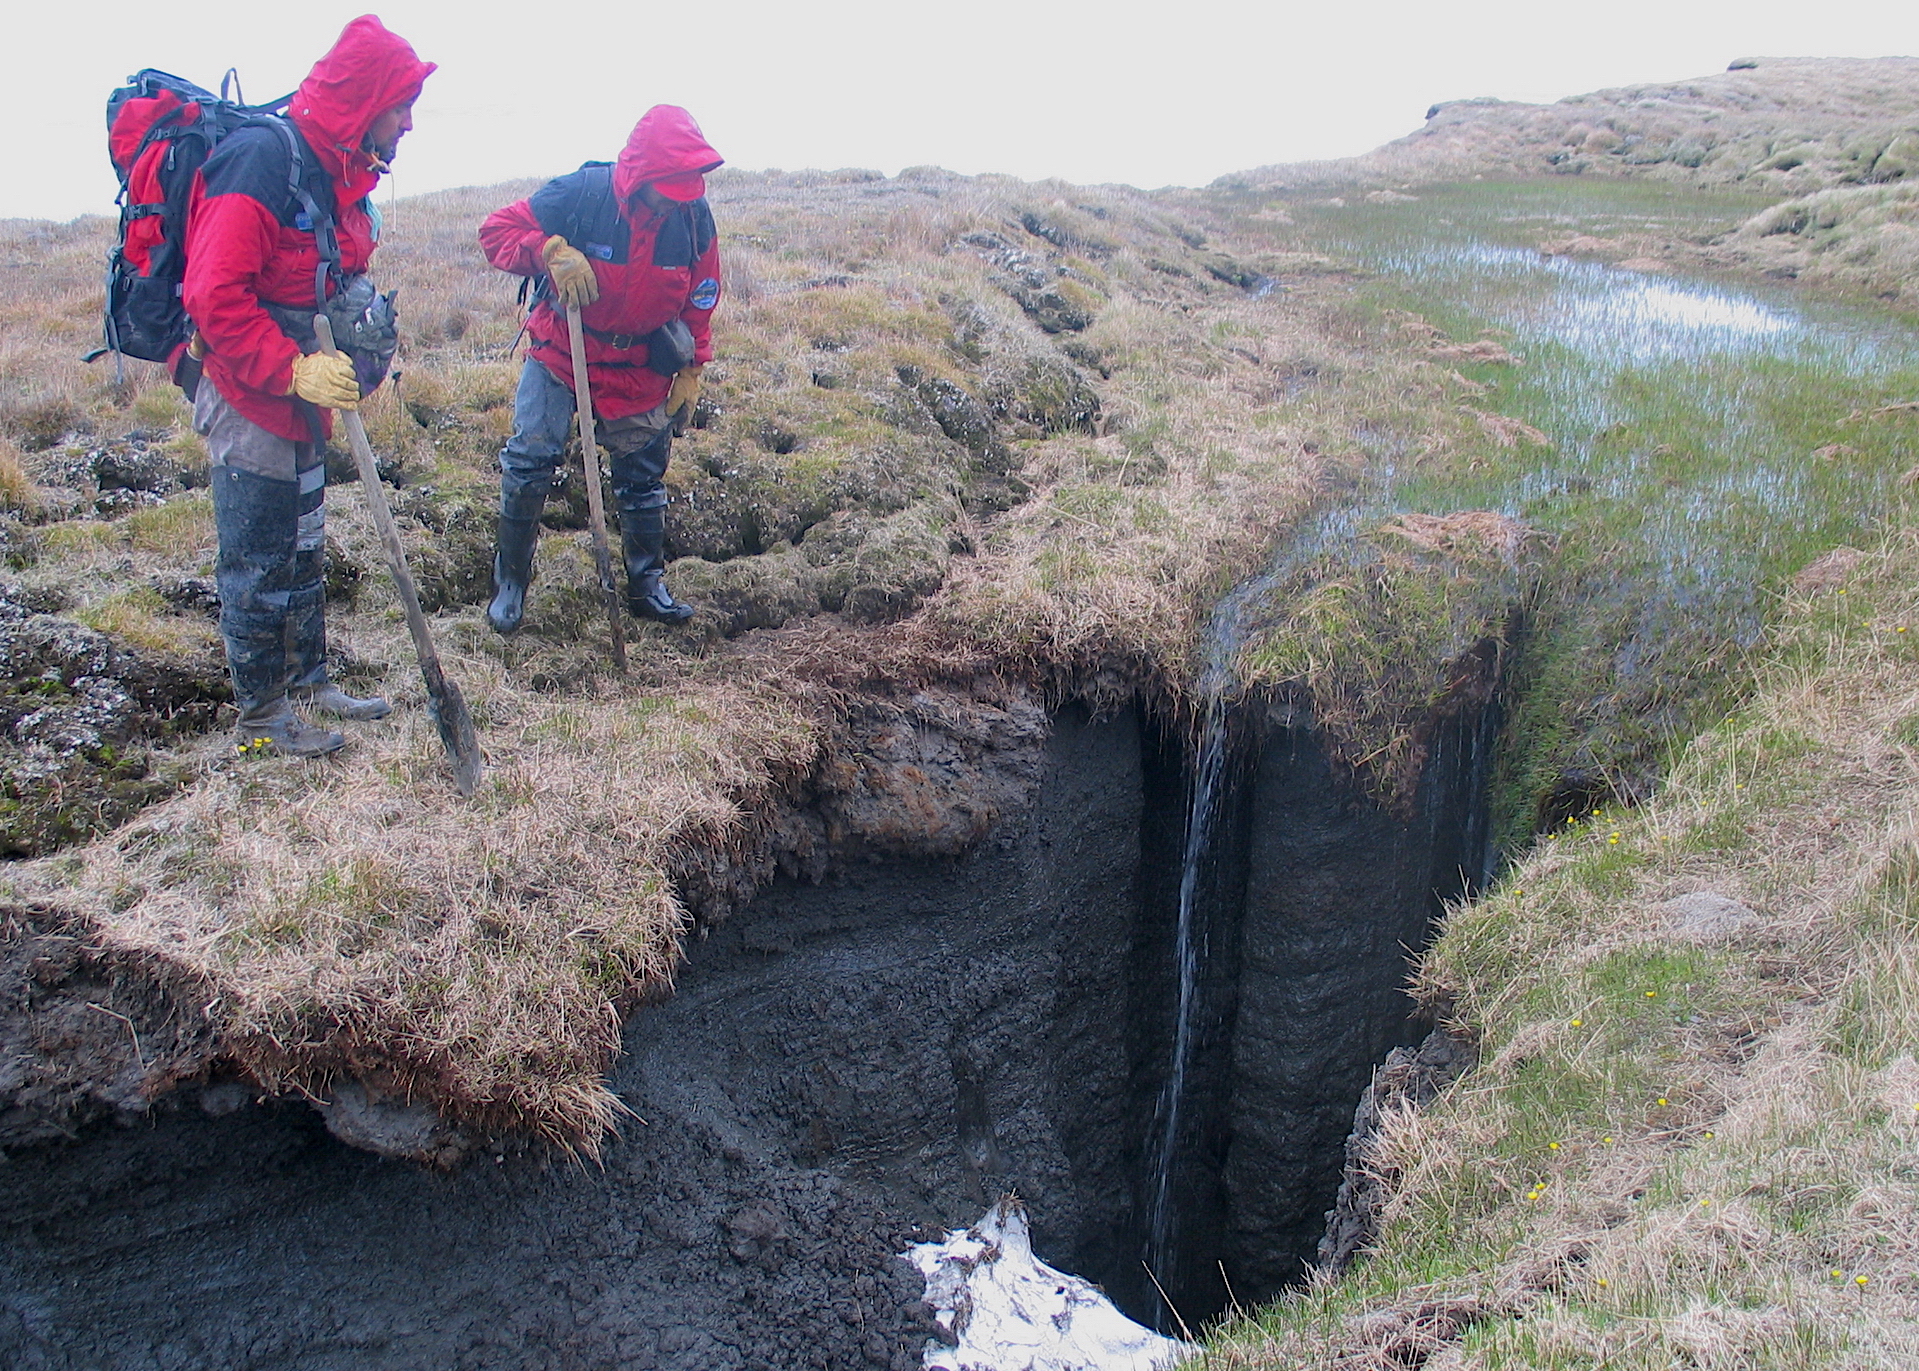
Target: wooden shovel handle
x: 595, y: 497
x: 444, y: 702
x: 389, y: 534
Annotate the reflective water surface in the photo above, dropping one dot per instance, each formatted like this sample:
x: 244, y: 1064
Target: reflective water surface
x: 1705, y: 438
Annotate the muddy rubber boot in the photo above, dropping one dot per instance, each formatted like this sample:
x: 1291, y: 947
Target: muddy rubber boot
x: 327, y: 698
x: 272, y: 726
x: 643, y: 540
x: 519, y: 530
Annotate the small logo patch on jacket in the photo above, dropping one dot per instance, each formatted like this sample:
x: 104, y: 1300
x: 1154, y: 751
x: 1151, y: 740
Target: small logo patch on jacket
x: 706, y: 294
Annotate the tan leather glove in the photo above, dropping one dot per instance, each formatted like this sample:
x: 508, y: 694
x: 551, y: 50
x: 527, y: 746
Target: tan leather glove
x: 570, y: 272
x: 685, y: 392
x: 327, y: 379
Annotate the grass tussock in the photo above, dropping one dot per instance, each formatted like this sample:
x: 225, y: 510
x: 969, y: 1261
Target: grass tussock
x: 358, y: 918
x: 1858, y: 239
x: 141, y: 619
x: 1690, y: 1141
x: 1380, y: 632
x: 17, y: 491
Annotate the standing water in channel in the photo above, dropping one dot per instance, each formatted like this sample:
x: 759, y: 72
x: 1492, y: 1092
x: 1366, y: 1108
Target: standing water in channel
x: 1686, y: 466
x: 1688, y: 446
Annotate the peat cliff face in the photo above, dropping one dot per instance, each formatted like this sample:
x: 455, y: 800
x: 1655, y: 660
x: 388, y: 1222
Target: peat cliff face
x: 1310, y: 903
x: 871, y: 1048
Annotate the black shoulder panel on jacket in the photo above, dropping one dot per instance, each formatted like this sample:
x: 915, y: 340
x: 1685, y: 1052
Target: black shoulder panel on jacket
x: 685, y: 234
x: 581, y: 208
x: 257, y: 162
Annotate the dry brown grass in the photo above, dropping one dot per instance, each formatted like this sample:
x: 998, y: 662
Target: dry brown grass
x: 1137, y: 533
x: 17, y: 491
x: 52, y: 316
x: 357, y: 919
x: 1787, y: 126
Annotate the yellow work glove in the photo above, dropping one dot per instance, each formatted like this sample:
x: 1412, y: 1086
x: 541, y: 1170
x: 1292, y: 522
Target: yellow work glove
x: 325, y: 378
x: 570, y: 273
x: 684, y: 394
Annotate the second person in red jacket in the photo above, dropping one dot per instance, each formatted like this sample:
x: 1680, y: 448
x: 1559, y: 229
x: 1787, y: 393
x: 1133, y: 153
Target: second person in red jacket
x: 633, y: 244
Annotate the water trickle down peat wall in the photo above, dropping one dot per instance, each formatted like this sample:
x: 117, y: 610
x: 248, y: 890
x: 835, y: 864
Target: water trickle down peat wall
x: 847, y: 1066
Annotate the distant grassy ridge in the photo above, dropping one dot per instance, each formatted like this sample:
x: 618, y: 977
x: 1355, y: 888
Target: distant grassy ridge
x: 1781, y: 125
x: 1833, y: 142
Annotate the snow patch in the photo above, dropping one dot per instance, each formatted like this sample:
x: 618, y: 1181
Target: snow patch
x: 1002, y: 1309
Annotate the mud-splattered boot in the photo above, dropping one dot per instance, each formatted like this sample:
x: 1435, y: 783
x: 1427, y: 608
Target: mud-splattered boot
x: 308, y: 686
x: 519, y: 531
x: 327, y: 698
x: 272, y: 726
x: 643, y: 540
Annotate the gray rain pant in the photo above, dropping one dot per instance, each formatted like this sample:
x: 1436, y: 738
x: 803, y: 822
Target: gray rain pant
x: 637, y: 447
x: 269, y: 506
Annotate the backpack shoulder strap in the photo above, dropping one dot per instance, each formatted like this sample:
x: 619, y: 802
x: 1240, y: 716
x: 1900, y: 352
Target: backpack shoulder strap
x: 704, y: 229
x: 581, y: 208
x: 326, y: 239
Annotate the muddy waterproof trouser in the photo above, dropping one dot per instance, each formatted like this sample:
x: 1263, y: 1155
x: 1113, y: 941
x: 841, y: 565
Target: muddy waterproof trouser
x: 269, y: 509
x: 636, y: 448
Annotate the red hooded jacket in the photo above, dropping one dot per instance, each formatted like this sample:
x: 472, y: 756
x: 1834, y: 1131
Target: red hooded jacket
x: 667, y: 267
x: 245, y: 237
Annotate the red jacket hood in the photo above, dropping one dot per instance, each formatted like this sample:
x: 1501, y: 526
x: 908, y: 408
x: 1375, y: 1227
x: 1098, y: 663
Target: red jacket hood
x: 366, y: 73
x: 666, y: 142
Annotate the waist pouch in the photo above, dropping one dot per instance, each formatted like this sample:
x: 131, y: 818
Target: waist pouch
x: 669, y: 348
x: 365, y: 328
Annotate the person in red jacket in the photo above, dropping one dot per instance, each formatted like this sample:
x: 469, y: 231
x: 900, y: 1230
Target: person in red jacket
x: 279, y: 226
x: 633, y: 244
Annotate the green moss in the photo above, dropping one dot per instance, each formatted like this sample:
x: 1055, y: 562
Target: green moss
x: 1374, y: 633
x: 87, y: 795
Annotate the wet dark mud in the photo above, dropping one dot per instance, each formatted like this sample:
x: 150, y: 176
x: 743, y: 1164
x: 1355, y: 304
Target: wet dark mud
x: 850, y: 1064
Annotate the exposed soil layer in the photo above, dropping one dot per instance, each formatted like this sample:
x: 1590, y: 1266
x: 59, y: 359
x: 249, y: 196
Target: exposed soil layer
x: 85, y: 1033
x: 1310, y: 908
x: 1410, y: 1078
x: 849, y: 1064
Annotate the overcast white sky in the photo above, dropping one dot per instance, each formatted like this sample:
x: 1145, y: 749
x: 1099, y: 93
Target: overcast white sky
x: 1148, y: 93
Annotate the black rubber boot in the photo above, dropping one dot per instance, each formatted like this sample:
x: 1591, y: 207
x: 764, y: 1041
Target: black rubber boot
x: 519, y: 530
x: 643, y: 539
x: 267, y: 721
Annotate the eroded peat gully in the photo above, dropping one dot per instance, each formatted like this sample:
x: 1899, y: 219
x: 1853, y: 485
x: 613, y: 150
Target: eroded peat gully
x: 847, y: 1067
x: 1146, y: 1000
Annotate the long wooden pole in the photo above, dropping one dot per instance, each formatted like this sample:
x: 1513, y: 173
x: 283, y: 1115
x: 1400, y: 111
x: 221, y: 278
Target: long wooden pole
x: 595, y: 498
x: 444, y: 701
